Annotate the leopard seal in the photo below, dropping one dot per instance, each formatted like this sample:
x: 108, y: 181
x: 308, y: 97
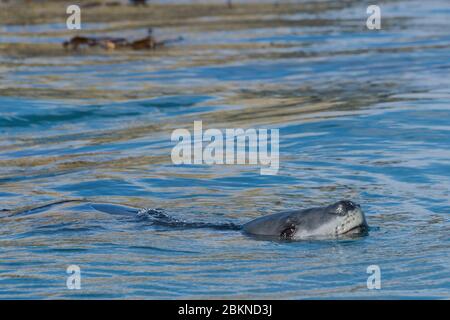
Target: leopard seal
x: 339, y: 220
x: 343, y: 218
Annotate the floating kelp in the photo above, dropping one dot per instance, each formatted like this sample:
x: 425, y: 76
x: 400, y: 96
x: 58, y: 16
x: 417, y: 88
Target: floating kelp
x: 111, y: 43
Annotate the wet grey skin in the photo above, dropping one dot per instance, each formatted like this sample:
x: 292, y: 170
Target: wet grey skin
x: 341, y: 219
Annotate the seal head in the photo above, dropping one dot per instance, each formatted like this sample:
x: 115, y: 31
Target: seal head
x: 343, y: 218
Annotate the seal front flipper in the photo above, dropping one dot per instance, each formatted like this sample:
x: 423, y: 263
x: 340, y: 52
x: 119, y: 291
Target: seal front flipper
x: 114, y: 209
x: 288, y: 233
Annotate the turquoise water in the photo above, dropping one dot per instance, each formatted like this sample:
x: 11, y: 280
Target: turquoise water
x: 363, y: 115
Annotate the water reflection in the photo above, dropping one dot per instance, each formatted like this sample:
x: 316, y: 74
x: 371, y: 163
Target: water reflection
x: 362, y: 115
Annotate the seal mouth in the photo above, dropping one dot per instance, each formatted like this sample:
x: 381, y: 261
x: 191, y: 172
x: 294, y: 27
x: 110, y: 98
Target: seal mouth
x: 359, y: 229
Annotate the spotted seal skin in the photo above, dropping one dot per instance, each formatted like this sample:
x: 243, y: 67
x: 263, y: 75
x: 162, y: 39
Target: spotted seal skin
x: 343, y: 218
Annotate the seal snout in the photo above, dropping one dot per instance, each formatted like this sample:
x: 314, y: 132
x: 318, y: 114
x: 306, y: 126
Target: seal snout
x: 354, y: 220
